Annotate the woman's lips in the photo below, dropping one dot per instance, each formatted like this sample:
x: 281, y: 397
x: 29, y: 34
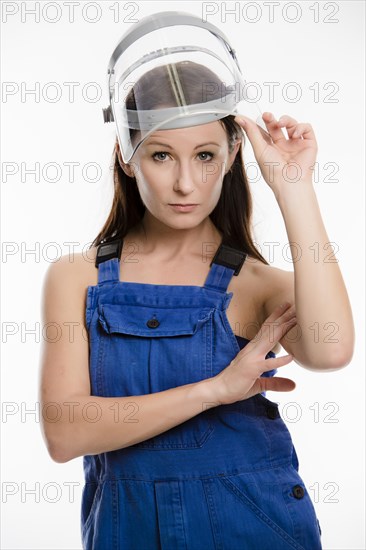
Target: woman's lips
x: 183, y: 207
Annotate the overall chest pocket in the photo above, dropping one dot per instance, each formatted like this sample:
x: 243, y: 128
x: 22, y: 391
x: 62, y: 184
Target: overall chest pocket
x: 147, y: 349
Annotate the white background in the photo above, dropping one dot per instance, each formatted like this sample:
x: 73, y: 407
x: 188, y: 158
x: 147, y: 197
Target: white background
x: 38, y: 212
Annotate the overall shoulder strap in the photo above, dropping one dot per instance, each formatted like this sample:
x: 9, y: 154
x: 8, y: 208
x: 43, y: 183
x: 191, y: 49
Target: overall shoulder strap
x: 227, y: 262
x: 107, y: 261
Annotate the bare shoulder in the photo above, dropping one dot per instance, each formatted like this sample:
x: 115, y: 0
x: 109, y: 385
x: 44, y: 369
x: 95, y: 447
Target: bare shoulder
x: 78, y: 264
x: 71, y: 274
x: 85, y: 269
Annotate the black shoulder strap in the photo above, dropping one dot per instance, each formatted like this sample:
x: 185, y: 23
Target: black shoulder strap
x: 225, y: 255
x: 229, y: 257
x: 108, y: 250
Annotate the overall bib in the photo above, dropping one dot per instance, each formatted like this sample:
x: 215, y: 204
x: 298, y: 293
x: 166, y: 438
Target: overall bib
x: 226, y: 479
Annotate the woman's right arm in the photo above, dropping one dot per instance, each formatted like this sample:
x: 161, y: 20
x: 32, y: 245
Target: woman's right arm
x: 67, y: 419
x: 69, y: 410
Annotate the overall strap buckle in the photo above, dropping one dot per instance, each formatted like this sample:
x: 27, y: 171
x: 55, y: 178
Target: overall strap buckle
x: 229, y: 257
x: 226, y: 263
x: 107, y: 261
x: 108, y: 250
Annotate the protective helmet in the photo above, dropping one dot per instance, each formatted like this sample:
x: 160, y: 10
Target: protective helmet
x: 173, y: 70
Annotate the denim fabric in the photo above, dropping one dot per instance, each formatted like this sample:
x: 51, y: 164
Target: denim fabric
x: 226, y: 479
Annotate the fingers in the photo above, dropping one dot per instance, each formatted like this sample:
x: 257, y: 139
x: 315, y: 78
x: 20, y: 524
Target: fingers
x: 274, y: 383
x: 281, y: 310
x: 295, y: 130
x: 273, y: 129
x: 255, y: 133
x: 289, y: 123
x: 266, y: 136
x: 281, y: 320
x: 280, y: 315
x: 275, y: 363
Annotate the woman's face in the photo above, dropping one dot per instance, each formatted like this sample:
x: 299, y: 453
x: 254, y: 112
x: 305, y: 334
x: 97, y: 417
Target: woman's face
x: 182, y: 166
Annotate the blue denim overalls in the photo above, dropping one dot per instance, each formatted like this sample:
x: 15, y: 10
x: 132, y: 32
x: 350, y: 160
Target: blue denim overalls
x: 226, y: 479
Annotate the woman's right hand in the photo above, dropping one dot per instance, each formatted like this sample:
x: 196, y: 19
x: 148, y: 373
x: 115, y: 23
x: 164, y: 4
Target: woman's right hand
x: 242, y: 378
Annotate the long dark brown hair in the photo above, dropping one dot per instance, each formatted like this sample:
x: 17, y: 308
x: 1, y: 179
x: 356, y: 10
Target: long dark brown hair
x: 233, y: 213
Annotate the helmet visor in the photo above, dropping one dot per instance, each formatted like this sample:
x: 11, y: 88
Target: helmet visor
x: 174, y: 77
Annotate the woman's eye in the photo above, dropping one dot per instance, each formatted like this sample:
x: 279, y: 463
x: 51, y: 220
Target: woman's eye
x: 164, y: 153
x: 158, y: 153
x: 206, y: 153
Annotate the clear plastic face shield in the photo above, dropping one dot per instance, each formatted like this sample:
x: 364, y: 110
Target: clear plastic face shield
x: 173, y: 70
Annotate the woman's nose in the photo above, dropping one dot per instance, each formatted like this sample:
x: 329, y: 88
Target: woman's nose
x: 185, y: 178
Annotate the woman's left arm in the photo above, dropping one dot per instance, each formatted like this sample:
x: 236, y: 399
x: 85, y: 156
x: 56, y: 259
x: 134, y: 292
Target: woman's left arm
x: 323, y: 338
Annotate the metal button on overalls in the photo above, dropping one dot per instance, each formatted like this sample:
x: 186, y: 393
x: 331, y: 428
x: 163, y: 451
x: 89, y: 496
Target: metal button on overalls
x: 223, y: 480
x: 298, y: 491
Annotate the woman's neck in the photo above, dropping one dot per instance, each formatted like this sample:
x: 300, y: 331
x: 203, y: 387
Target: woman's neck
x: 167, y: 243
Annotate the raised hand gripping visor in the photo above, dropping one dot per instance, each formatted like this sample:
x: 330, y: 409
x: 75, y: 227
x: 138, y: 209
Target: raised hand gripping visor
x: 173, y: 70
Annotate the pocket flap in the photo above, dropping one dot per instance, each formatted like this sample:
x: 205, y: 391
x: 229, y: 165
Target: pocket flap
x: 135, y: 319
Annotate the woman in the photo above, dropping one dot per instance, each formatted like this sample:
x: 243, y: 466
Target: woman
x: 163, y: 394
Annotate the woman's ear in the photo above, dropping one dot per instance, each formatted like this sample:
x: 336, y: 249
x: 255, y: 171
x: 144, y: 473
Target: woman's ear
x: 233, y: 154
x: 125, y: 167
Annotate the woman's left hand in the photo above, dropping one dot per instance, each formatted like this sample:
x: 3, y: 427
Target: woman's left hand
x: 282, y: 161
